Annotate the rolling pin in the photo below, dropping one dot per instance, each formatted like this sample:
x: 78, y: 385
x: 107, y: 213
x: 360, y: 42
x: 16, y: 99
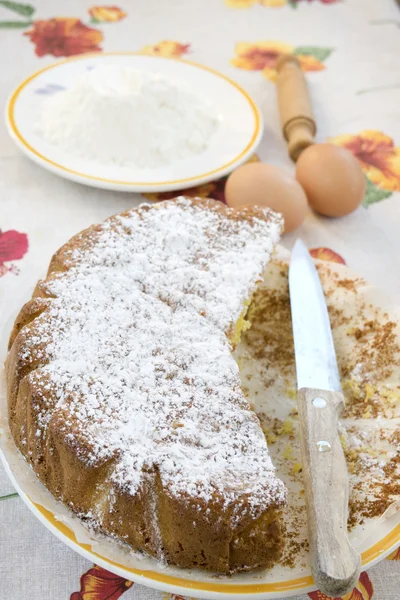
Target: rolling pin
x: 297, y: 116
x: 329, y: 174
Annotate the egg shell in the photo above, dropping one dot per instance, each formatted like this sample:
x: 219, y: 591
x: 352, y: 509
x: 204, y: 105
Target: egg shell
x: 332, y: 179
x: 266, y: 185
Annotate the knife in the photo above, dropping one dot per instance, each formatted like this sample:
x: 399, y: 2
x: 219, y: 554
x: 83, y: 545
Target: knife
x: 335, y: 564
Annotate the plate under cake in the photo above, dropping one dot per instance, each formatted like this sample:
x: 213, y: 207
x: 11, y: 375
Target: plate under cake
x: 123, y: 393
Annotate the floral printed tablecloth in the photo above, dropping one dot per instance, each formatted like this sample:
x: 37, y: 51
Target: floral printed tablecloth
x: 350, y: 51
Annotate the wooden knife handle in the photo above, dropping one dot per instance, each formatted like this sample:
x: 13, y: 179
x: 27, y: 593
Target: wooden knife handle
x: 297, y: 117
x: 335, y: 564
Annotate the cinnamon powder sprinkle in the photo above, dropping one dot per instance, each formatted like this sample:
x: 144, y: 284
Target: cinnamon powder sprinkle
x: 270, y: 336
x: 368, y: 352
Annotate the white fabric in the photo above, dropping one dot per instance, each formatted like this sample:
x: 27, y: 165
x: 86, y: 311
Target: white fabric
x: 34, y: 565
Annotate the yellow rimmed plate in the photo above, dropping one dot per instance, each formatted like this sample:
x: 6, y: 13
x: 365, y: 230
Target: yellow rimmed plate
x: 375, y: 539
x: 197, y: 584
x: 239, y: 132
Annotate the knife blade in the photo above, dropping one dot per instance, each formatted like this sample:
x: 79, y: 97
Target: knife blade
x: 316, y: 365
x: 335, y: 564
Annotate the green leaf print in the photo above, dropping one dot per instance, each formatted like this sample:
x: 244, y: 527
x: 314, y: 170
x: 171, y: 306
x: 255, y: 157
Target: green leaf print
x: 26, y: 10
x: 374, y: 194
x: 317, y: 52
x: 14, y: 24
x: 7, y: 496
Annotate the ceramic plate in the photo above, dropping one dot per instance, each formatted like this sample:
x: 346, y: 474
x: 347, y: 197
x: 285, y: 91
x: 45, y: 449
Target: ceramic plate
x: 239, y: 130
x: 375, y: 538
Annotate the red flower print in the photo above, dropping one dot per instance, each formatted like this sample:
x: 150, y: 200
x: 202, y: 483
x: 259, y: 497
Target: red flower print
x: 99, y: 584
x: 327, y: 254
x: 64, y: 37
x: 364, y: 590
x: 13, y: 246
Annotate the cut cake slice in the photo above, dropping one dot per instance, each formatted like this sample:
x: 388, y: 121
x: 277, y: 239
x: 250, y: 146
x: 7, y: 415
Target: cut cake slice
x: 123, y: 392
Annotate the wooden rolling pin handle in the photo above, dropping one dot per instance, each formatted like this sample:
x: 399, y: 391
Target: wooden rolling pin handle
x: 297, y: 117
x: 299, y: 133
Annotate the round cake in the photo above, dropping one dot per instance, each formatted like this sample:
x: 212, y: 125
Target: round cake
x: 123, y: 393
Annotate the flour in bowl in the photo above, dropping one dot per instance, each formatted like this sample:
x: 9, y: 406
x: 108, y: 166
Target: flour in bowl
x: 126, y: 117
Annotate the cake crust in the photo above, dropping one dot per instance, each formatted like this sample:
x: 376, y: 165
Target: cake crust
x: 123, y: 394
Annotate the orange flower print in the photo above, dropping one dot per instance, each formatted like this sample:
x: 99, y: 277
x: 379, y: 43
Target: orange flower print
x: 166, y: 48
x: 263, y: 56
x: 214, y: 189
x: 364, y: 590
x: 249, y: 3
x: 240, y: 3
x: 377, y: 155
x: 394, y: 555
x: 64, y: 37
x: 271, y: 3
x: 310, y: 63
x: 99, y: 584
x: 327, y: 254
x: 106, y: 14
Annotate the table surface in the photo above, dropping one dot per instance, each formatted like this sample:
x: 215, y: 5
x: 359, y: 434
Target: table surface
x: 350, y: 52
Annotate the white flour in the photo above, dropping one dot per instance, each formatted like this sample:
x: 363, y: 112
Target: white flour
x: 125, y: 117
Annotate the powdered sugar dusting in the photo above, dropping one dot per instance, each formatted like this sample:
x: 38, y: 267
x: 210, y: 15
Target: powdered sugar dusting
x: 135, y: 341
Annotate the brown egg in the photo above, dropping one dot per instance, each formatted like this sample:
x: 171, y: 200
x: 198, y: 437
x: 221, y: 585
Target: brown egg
x: 332, y: 179
x: 265, y: 185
